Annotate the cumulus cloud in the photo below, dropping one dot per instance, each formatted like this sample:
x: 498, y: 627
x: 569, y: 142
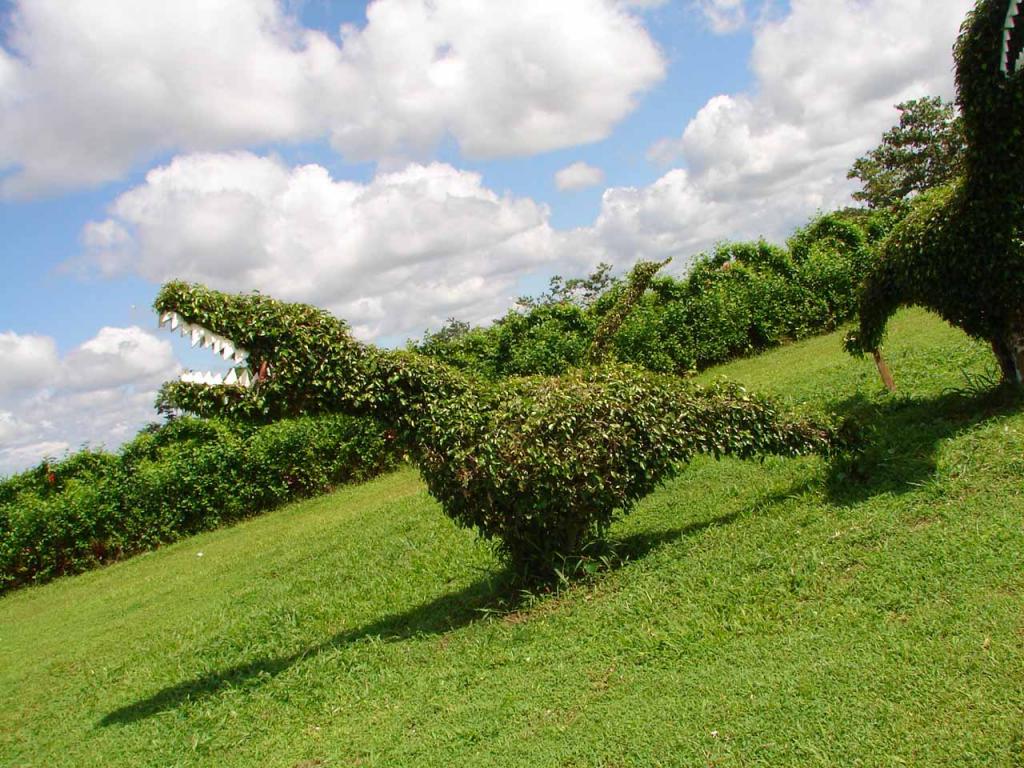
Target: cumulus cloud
x: 91, y: 88
x: 578, y: 176
x: 101, y: 392
x: 26, y: 362
x: 827, y: 78
x: 413, y: 247
x: 393, y: 256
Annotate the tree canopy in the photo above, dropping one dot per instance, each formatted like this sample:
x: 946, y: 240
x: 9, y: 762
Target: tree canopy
x: 924, y: 150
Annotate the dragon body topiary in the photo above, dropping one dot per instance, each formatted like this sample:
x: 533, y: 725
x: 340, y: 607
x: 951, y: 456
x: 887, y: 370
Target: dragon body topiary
x: 539, y: 463
x: 960, y: 250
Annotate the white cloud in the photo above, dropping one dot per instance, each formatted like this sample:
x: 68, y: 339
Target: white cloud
x: 21, y: 457
x: 91, y: 88
x: 11, y: 428
x: 578, y: 176
x: 644, y: 4
x: 405, y: 251
x: 413, y: 247
x: 827, y: 78
x: 117, y: 357
x: 26, y: 362
x: 101, y: 392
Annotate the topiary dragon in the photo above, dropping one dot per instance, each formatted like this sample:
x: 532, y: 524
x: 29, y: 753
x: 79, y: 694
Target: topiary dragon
x: 539, y: 463
x: 960, y: 250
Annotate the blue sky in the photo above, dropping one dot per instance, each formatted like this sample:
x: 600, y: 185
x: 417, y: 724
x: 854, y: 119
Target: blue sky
x: 404, y: 170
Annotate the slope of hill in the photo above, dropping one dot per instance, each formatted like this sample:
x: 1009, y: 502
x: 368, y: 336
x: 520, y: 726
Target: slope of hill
x: 784, y: 613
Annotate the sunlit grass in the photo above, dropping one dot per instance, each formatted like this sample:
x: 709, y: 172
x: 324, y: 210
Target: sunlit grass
x: 784, y: 613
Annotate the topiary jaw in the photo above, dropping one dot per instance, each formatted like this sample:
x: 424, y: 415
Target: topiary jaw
x: 1011, y: 58
x: 277, y: 350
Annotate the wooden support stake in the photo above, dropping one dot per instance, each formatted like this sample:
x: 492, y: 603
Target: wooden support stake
x: 883, y: 370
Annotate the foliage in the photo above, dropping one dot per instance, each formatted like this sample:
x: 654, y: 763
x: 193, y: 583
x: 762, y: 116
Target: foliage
x: 639, y: 280
x: 539, y: 463
x: 960, y: 251
x: 280, y: 345
x: 739, y: 299
x: 552, y: 460
x: 189, y: 475
x: 459, y: 345
x: 925, y: 150
x: 546, y: 340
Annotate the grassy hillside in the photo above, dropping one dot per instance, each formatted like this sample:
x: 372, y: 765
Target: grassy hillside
x: 785, y: 613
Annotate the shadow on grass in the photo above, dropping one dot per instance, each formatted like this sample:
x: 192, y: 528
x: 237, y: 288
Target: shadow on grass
x: 639, y: 545
x: 447, y: 612
x: 497, y: 593
x: 901, y: 438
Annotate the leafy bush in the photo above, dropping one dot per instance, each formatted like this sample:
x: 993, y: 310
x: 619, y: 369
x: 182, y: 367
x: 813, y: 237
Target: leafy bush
x: 186, y: 476
x: 739, y: 299
x: 543, y: 464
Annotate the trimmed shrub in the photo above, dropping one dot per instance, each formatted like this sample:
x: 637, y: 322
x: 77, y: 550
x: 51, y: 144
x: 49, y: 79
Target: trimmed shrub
x: 540, y: 464
x: 739, y: 299
x: 543, y: 465
x: 171, y: 481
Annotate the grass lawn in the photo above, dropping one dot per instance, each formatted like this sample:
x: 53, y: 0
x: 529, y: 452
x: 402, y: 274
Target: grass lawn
x: 789, y: 613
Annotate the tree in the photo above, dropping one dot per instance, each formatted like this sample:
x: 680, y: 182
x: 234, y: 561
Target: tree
x: 925, y: 150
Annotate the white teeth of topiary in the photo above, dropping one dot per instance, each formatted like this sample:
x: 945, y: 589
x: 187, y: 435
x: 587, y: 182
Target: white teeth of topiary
x: 200, y: 336
x: 234, y: 378
x: 1004, y: 61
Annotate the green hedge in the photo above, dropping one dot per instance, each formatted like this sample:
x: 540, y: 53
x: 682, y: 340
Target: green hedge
x: 739, y: 299
x: 170, y: 481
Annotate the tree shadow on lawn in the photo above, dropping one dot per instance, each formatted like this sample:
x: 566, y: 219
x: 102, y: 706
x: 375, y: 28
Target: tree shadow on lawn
x: 496, y: 593
x: 447, y: 612
x: 901, y: 438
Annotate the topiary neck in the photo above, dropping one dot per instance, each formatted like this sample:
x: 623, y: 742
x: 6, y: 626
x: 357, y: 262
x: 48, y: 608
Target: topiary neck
x: 404, y: 388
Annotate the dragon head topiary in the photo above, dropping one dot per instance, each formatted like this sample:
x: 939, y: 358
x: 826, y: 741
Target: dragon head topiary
x: 287, y: 359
